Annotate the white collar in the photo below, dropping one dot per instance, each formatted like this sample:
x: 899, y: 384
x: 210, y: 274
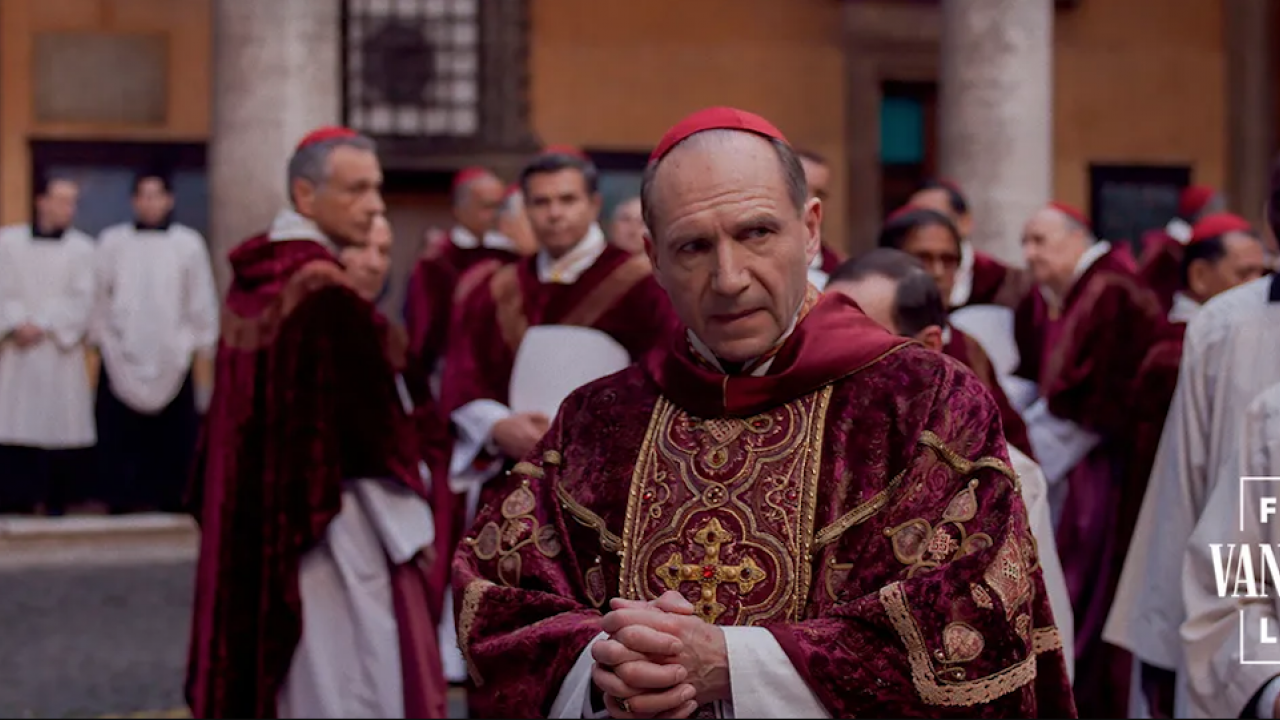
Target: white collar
x: 464, y: 239
x: 704, y: 351
x: 816, y: 262
x: 946, y: 335
x: 1086, y: 261
x: 1179, y: 230
x: 1183, y: 308
x: 963, y: 286
x: 569, y: 267
x: 289, y: 225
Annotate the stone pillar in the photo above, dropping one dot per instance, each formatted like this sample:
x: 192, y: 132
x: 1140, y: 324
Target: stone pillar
x: 1247, y: 26
x: 276, y: 75
x: 996, y: 102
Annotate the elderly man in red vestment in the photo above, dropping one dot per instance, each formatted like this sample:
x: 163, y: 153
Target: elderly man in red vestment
x: 787, y: 511
x: 980, y: 278
x: 1082, y: 335
x: 311, y: 588
x: 1222, y: 252
x: 1160, y: 264
x: 477, y: 198
x: 931, y: 238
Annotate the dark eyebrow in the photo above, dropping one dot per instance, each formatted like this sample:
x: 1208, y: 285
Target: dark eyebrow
x: 761, y: 220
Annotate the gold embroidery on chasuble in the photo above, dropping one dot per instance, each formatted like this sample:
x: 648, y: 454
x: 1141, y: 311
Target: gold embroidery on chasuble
x: 722, y: 510
x: 519, y: 529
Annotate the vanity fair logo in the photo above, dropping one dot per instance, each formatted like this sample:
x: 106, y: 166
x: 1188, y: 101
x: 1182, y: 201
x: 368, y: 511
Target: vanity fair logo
x: 1252, y: 571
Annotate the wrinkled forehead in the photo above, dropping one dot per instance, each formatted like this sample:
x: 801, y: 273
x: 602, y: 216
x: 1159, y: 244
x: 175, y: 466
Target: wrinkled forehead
x: 1046, y: 222
x: 708, y: 170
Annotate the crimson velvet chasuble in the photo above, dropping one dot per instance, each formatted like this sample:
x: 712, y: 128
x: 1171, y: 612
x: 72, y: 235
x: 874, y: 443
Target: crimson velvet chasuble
x: 856, y: 501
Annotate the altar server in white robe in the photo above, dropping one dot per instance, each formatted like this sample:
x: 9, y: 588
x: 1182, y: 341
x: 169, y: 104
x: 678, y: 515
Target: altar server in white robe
x: 46, y: 406
x: 1229, y: 675
x: 1228, y: 358
x: 157, y: 310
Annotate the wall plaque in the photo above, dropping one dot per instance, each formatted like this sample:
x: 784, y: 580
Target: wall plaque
x: 108, y: 78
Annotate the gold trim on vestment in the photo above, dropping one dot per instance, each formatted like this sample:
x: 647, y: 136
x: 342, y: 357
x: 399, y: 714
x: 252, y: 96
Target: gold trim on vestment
x: 777, y: 461
x: 963, y: 465
x: 941, y: 691
x: 471, y: 598
x: 585, y: 517
x: 604, y: 296
x: 858, y: 515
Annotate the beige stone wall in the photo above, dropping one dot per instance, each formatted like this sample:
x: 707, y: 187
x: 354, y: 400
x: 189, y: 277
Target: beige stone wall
x: 1138, y: 81
x: 614, y: 74
x: 183, y: 23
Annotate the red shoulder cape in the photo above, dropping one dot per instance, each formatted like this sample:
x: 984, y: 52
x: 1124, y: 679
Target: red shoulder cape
x: 834, y: 340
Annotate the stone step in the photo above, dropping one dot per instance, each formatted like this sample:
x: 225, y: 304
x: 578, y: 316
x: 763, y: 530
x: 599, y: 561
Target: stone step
x: 96, y: 540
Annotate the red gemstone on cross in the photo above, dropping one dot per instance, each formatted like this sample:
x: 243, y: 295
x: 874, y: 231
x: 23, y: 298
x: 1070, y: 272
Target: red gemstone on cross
x: 708, y: 572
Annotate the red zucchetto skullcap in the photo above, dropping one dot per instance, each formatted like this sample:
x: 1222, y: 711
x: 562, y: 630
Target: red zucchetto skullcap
x: 323, y: 134
x: 1071, y: 211
x: 1193, y: 199
x: 570, y: 150
x: 467, y: 174
x: 715, y: 118
x: 1217, y: 225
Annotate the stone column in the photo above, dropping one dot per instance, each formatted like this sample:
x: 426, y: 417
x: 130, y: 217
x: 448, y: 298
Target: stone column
x: 1247, y: 26
x: 996, y: 102
x: 276, y: 75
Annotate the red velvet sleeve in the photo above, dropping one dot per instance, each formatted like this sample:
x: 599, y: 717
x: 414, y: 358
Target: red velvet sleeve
x: 478, y: 361
x: 427, y: 311
x: 1102, y: 344
x: 944, y: 614
x: 518, y: 592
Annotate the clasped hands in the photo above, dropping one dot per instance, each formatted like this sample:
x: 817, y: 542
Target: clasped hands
x: 659, y: 661
x: 27, y: 334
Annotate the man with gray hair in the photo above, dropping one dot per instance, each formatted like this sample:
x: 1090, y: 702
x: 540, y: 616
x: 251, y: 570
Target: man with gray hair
x: 316, y: 534
x: 1082, y: 336
x: 477, y: 198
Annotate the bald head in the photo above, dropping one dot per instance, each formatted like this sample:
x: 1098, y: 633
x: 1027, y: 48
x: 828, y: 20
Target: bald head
x: 788, y: 165
x: 476, y: 201
x: 1053, y: 242
x: 894, y: 289
x: 733, y: 231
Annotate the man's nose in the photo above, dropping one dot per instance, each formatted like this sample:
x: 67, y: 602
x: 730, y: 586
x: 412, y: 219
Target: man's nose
x: 730, y: 276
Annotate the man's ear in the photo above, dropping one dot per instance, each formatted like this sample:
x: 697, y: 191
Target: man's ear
x: 965, y: 225
x: 812, y: 218
x: 1198, y: 278
x: 597, y: 204
x: 303, y: 194
x: 931, y: 337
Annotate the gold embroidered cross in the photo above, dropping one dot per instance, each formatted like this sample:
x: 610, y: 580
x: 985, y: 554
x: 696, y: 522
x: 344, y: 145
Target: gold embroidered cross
x: 710, y: 574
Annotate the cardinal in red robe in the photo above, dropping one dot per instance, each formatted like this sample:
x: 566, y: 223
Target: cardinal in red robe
x: 785, y: 512
x: 1082, y: 336
x: 932, y: 238
x: 979, y: 278
x: 1160, y: 264
x: 309, y: 469
x: 478, y: 195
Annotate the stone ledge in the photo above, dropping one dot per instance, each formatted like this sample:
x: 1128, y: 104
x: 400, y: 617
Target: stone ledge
x: 72, y: 527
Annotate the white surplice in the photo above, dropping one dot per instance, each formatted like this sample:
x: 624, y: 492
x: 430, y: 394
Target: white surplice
x: 1035, y: 495
x: 157, y: 308
x: 1219, y: 684
x: 347, y: 663
x: 1228, y: 358
x: 45, y: 397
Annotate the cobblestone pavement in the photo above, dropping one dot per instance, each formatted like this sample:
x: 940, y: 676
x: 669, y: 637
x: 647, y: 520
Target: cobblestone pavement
x: 85, y: 636
x: 84, y: 641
